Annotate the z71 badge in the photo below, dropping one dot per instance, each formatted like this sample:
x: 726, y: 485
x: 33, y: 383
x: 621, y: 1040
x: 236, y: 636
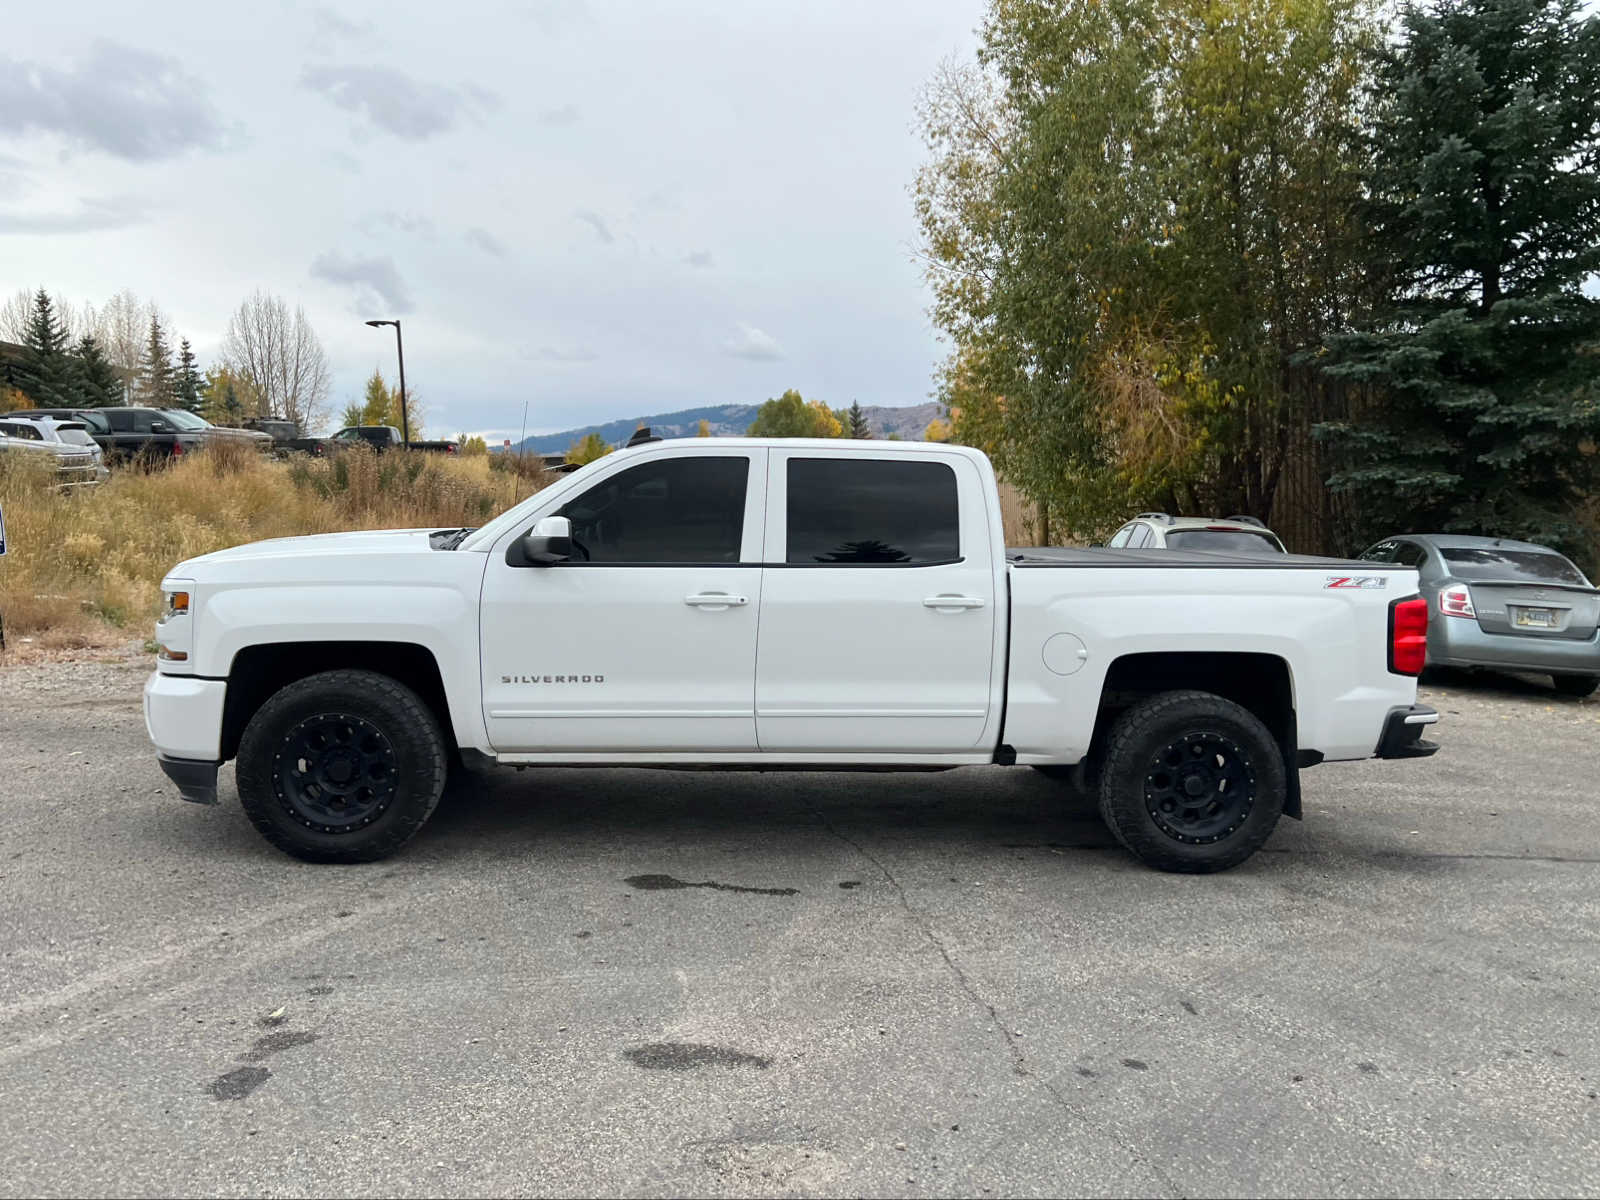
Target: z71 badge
x: 1357, y: 581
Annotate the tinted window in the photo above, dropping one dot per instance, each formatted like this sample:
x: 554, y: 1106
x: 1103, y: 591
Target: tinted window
x: 677, y: 510
x: 25, y: 432
x: 1382, y: 552
x: 1238, y: 541
x: 121, y: 421
x: 844, y: 510
x: 1409, y: 554
x: 1491, y: 562
x: 95, y: 422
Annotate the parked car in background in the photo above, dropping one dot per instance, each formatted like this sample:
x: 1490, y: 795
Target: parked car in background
x: 126, y: 432
x: 1161, y: 531
x: 1494, y: 602
x: 68, y: 433
x: 76, y: 466
x: 381, y: 438
x: 285, y: 436
x: 215, y: 434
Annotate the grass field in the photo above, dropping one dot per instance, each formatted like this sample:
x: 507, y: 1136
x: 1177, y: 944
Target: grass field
x: 82, y: 568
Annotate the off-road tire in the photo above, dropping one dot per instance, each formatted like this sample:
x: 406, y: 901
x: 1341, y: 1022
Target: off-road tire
x: 1576, y: 685
x: 388, y: 712
x: 1212, y: 731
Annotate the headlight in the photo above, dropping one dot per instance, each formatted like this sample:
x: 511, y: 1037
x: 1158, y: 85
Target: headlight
x: 177, y: 605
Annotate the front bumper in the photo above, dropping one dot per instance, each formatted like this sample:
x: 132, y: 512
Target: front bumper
x: 1402, y: 733
x: 183, y: 715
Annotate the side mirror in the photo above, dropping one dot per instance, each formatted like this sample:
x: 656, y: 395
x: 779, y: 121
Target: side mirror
x: 547, y: 543
x: 160, y: 427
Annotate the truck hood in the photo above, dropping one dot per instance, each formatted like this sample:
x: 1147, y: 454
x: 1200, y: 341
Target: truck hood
x: 371, y: 541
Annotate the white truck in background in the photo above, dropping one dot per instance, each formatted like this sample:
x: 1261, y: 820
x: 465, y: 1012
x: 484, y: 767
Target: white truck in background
x: 770, y: 604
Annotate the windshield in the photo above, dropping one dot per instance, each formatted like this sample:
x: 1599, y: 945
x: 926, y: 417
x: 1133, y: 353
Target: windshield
x: 1241, y: 541
x: 1491, y: 562
x: 74, y: 436
x: 185, y: 420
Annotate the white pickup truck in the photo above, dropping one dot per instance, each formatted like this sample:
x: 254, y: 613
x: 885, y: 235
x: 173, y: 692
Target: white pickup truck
x: 774, y: 605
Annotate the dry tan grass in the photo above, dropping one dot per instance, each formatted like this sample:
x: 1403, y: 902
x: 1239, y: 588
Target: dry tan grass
x: 82, y: 566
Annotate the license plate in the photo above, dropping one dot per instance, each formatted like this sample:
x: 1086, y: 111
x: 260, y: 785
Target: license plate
x: 1536, y: 618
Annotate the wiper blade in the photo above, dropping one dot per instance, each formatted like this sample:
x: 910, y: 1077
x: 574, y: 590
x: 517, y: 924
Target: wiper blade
x: 447, y: 539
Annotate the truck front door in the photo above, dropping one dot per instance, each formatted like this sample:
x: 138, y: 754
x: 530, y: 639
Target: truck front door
x: 645, y: 639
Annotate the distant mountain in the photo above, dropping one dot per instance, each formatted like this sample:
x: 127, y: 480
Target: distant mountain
x: 727, y: 420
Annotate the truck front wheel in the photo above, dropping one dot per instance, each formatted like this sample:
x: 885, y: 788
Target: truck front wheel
x: 344, y: 767
x: 1191, y: 782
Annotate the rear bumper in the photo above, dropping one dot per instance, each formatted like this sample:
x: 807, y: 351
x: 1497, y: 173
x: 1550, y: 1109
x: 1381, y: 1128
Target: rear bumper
x: 196, y: 779
x: 1460, y: 642
x: 1402, y: 733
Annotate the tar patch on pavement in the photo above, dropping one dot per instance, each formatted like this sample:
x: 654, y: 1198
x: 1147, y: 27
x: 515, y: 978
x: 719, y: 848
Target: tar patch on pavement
x: 690, y: 1056
x: 666, y: 883
x: 1134, y: 1064
x: 236, y: 1085
x: 273, y: 1043
x: 850, y: 883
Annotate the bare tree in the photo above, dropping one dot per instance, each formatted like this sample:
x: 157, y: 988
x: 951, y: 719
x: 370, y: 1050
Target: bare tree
x: 281, y: 356
x: 16, y: 312
x: 122, y: 327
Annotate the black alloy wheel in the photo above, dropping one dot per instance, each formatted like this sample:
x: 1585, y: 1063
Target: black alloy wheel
x: 1199, y: 788
x: 335, y: 772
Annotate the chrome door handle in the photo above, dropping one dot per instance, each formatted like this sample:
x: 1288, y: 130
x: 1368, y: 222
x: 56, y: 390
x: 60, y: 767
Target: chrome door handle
x: 715, y: 600
x: 953, y: 603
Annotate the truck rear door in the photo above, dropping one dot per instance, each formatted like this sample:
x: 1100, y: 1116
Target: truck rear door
x: 879, y: 611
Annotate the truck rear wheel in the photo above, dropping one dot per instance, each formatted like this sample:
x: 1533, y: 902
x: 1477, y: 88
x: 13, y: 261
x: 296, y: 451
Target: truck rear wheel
x: 344, y: 767
x: 1191, y: 782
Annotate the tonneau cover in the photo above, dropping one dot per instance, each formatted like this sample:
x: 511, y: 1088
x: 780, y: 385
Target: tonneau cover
x: 1102, y: 556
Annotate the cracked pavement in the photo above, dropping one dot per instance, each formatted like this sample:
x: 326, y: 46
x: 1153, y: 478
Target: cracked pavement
x: 631, y: 982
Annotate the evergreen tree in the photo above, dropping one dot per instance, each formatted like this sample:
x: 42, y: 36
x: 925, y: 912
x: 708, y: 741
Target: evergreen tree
x: 155, y: 383
x: 186, y: 382
x: 1485, y: 214
x: 97, y: 384
x: 46, y: 374
x: 856, y: 426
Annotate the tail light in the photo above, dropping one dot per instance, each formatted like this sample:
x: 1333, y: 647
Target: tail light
x: 1408, y: 635
x: 1456, y: 602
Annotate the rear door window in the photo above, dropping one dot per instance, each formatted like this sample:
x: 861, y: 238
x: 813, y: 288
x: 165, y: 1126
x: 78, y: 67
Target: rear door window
x: 121, y: 421
x: 872, y: 512
x: 1494, y: 562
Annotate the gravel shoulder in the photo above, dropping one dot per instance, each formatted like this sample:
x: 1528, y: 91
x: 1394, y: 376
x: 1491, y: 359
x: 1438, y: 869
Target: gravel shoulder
x: 613, y: 982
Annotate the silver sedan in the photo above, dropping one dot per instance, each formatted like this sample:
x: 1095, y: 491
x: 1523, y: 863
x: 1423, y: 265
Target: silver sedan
x: 1513, y: 606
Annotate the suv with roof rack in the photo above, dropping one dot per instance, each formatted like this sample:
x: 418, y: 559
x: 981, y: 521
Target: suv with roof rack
x: 1162, y: 531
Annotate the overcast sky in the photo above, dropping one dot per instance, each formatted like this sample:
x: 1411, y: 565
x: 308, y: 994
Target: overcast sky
x: 604, y: 208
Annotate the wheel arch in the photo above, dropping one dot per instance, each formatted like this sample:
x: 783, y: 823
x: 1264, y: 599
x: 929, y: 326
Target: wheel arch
x: 1262, y: 683
x: 259, y: 671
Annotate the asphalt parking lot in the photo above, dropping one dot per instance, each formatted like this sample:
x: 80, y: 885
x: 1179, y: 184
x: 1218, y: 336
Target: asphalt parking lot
x: 607, y: 982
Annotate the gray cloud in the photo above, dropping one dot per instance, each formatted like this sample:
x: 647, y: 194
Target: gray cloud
x: 376, y: 282
x: 567, y: 114
x: 126, y: 102
x: 330, y: 24
x: 752, y: 343
x: 700, y: 258
x: 92, y: 215
x: 561, y: 354
x: 594, y: 221
x: 399, y: 222
x: 395, y: 102
x: 487, y: 242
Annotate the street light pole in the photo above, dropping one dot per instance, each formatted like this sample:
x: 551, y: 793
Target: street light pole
x: 400, y: 350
